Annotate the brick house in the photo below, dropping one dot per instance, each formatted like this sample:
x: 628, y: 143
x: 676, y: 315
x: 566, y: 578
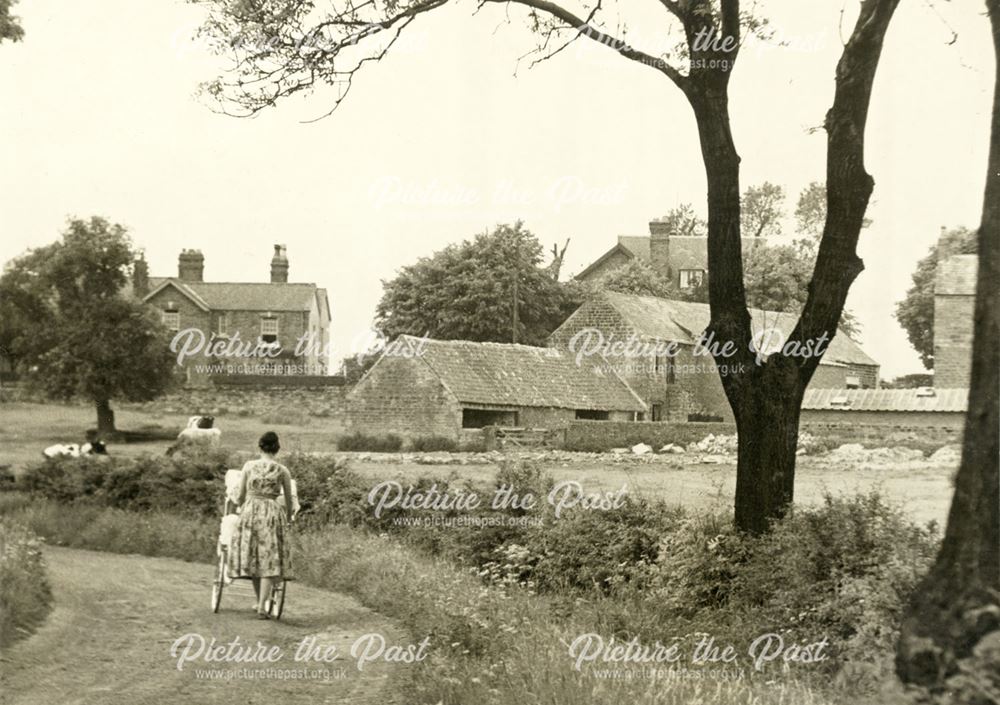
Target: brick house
x: 439, y: 387
x: 954, y: 308
x: 250, y: 317
x: 680, y: 257
x: 687, y: 387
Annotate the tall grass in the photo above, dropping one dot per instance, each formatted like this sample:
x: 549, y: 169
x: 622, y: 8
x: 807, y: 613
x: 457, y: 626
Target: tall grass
x: 490, y: 643
x: 25, y: 596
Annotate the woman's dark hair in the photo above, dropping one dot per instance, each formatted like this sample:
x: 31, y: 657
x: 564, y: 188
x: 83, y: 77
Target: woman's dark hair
x: 269, y: 443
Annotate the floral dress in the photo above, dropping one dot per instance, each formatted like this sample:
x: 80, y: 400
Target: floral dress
x: 258, y: 548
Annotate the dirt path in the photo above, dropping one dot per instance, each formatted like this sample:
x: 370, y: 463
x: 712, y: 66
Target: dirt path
x: 115, y: 619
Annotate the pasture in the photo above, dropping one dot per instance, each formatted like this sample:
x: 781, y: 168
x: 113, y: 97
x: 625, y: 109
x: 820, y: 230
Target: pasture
x: 923, y: 488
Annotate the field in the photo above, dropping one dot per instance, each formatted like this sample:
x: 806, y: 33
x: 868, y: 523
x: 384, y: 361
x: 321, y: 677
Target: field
x: 922, y: 488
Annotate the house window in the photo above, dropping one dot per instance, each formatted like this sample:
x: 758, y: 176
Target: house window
x: 222, y: 324
x: 691, y: 278
x: 269, y: 330
x: 591, y: 415
x: 852, y: 382
x: 657, y: 412
x: 172, y: 320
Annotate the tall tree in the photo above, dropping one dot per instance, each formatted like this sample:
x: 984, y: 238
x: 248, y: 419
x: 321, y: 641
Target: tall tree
x: 469, y: 291
x: 281, y: 48
x: 916, y: 311
x: 89, y: 339
x: 958, y: 604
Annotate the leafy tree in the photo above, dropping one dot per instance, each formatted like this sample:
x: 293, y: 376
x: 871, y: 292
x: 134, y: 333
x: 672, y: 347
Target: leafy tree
x: 467, y: 291
x: 916, y: 311
x: 954, y: 615
x: 10, y: 25
x: 762, y: 209
x: 90, y: 340
x: 637, y: 277
x: 309, y: 43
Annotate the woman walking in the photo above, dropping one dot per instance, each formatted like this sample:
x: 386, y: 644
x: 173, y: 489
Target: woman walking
x: 259, y: 548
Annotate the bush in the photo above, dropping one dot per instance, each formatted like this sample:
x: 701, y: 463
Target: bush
x: 388, y: 443
x: 24, y: 588
x: 430, y: 444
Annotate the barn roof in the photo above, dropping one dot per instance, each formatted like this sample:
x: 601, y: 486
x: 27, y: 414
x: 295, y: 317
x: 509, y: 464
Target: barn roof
x: 684, y: 322
x: 248, y: 296
x: 956, y: 275
x: 504, y: 374
x: 923, y: 399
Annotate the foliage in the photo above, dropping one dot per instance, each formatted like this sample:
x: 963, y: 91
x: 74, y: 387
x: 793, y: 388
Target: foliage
x: 358, y: 441
x: 915, y: 312
x: 761, y: 210
x: 10, y: 25
x: 430, y: 444
x: 86, y: 338
x: 24, y: 588
x: 466, y: 292
x: 639, y: 278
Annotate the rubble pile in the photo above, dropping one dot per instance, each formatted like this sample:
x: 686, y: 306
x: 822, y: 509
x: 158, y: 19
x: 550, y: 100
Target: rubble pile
x: 947, y: 455
x: 857, y: 453
x: 715, y: 445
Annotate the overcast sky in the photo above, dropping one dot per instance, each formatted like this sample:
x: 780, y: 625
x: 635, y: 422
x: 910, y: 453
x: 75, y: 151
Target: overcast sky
x: 440, y: 140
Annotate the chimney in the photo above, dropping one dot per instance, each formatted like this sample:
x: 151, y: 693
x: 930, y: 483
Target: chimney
x: 191, y: 266
x: 660, y: 231
x: 140, y: 277
x: 279, y: 265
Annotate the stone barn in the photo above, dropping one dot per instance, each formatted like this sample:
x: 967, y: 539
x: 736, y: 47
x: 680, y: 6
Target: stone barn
x: 440, y: 387
x: 686, y: 387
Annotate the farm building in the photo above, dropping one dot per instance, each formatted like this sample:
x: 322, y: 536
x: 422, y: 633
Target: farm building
x: 902, y: 409
x: 686, y: 387
x: 437, y: 387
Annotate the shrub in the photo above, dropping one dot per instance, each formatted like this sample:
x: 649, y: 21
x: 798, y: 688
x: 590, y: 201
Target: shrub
x: 357, y: 441
x: 430, y: 444
x: 24, y: 588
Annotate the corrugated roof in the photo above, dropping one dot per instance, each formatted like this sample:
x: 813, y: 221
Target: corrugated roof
x: 956, y: 275
x: 250, y: 296
x: 684, y: 322
x: 945, y: 400
x: 520, y: 375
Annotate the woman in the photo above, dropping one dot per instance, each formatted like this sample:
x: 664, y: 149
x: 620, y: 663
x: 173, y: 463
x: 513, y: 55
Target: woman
x: 259, y: 549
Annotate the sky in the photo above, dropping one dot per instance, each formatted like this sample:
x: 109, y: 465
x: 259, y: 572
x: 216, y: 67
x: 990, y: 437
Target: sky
x: 449, y: 135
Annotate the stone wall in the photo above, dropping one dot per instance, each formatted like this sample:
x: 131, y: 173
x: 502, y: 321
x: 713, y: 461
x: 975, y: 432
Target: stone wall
x: 403, y: 396
x: 274, y: 402
x: 932, y: 426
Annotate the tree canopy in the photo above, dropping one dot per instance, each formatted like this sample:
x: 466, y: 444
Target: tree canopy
x: 915, y: 312
x: 74, y: 328
x: 467, y: 291
x: 10, y: 25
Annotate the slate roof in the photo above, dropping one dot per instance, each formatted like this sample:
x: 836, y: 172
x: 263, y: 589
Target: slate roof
x: 956, y: 276
x: 504, y: 374
x: 250, y: 296
x: 944, y: 400
x: 684, y: 322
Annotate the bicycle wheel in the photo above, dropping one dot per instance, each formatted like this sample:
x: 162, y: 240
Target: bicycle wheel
x: 277, y: 602
x: 220, y: 579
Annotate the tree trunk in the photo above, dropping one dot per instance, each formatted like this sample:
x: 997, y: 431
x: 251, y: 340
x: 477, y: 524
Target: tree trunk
x: 958, y: 603
x: 105, y: 418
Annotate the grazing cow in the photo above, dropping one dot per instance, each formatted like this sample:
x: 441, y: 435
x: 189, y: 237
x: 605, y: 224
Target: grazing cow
x: 201, y: 429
